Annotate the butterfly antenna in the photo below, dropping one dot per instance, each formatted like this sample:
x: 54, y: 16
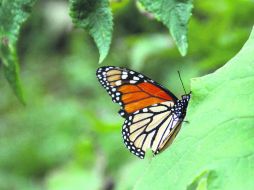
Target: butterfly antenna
x: 181, y: 81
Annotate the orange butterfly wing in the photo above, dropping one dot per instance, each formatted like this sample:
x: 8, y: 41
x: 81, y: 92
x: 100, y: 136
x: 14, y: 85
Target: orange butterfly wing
x: 132, y: 90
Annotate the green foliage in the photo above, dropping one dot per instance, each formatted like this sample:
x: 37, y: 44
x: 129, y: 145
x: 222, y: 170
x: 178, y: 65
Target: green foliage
x: 229, y: 31
x: 74, y: 178
x: 69, y: 134
x: 11, y: 69
x: 12, y: 15
x: 96, y: 17
x: 174, y: 14
x: 144, y: 47
x: 215, y: 150
x: 131, y: 173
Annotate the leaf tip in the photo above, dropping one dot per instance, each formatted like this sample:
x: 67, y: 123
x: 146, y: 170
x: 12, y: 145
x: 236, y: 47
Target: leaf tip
x: 183, y: 49
x: 101, y: 58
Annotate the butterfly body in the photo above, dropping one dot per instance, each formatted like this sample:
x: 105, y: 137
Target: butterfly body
x: 153, y: 115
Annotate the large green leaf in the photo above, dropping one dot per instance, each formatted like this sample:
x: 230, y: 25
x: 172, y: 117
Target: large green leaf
x: 215, y: 150
x: 12, y: 15
x: 96, y: 17
x: 175, y: 15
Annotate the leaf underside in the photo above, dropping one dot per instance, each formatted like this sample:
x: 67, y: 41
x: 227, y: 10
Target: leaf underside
x: 175, y: 15
x: 94, y: 16
x: 12, y: 15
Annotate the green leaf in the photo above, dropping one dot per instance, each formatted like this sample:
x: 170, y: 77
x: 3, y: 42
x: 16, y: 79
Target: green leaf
x: 215, y: 150
x: 96, y: 17
x: 174, y: 14
x: 12, y: 15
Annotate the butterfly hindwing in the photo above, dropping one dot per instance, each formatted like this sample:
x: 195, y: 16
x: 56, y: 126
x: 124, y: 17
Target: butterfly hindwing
x: 131, y: 90
x: 151, y: 128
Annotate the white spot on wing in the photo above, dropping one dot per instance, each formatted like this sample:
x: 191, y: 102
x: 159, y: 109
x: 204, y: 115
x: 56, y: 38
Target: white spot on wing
x: 145, y: 110
x: 118, y: 83
x: 124, y: 76
x: 135, y: 78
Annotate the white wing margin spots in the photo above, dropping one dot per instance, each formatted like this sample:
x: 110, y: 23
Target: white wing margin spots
x: 112, y: 77
x: 150, y: 128
x: 109, y: 77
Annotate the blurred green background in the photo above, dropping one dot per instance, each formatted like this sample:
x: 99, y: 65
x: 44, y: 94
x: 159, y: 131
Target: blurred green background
x: 68, y: 136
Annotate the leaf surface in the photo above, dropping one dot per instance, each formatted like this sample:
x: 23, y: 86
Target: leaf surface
x: 216, y: 149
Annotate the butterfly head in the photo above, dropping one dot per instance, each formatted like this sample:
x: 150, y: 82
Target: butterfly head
x: 186, y: 97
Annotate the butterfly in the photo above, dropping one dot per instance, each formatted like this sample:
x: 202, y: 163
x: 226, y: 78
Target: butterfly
x: 153, y: 115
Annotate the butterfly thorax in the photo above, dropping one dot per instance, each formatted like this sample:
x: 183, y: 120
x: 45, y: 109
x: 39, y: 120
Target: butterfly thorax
x: 180, y: 107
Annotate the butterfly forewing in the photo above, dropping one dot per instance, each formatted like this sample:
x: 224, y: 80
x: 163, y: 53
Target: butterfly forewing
x: 131, y: 90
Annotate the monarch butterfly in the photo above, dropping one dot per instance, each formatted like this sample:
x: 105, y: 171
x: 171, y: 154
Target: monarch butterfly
x: 153, y: 115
